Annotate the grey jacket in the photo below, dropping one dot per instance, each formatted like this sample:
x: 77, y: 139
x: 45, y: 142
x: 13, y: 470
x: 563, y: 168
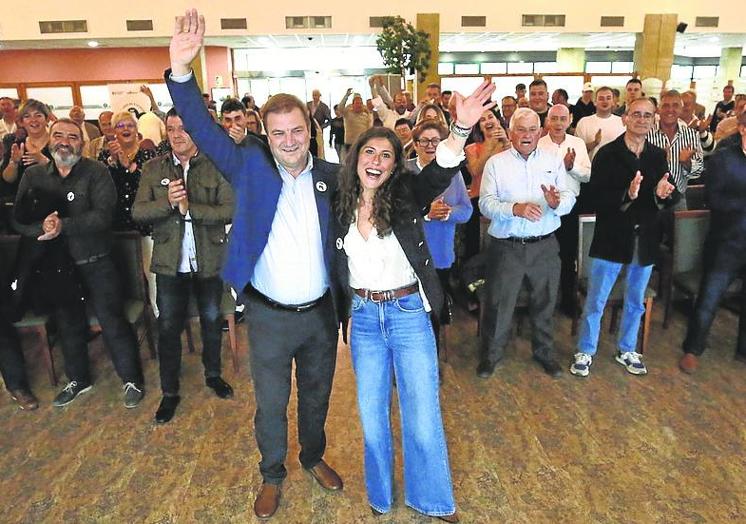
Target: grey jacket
x: 210, y: 208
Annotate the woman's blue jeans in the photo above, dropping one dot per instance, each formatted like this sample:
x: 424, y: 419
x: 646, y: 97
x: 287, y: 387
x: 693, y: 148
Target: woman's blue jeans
x: 601, y: 279
x: 397, y: 337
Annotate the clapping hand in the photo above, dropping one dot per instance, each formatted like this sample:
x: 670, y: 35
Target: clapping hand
x: 551, y: 195
x: 685, y: 155
x: 177, y: 195
x: 634, y: 186
x: 569, y: 159
x: 189, y: 32
x: 51, y: 226
x: 664, y: 188
x: 470, y: 109
x: 439, y: 210
x: 527, y: 210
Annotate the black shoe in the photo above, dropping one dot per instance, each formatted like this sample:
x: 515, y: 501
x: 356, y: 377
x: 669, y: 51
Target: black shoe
x: 220, y: 387
x: 486, y: 368
x: 551, y: 366
x: 167, y: 409
x: 69, y: 393
x: 238, y: 315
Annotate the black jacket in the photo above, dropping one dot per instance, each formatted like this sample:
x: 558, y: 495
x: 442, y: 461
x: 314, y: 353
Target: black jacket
x: 618, y: 219
x: 409, y: 231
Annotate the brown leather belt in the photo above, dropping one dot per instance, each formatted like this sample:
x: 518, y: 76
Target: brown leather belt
x: 386, y: 296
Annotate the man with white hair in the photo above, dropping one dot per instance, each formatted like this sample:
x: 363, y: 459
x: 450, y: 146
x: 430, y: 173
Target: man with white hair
x: 524, y: 193
x: 571, y: 150
x: 319, y: 110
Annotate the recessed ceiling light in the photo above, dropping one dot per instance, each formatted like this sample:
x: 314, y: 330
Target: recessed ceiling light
x: 92, y: 43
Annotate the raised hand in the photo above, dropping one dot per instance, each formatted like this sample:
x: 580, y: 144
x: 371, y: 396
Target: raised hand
x: 16, y: 153
x: 497, y: 134
x: 634, y: 186
x: 685, y: 155
x: 551, y: 195
x: 569, y: 159
x: 470, y: 109
x: 33, y: 155
x: 527, y: 210
x: 704, y: 125
x: 189, y: 32
x: 664, y: 188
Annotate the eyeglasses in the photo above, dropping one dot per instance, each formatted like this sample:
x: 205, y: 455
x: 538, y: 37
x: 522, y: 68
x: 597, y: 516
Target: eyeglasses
x: 637, y: 115
x: 424, y: 142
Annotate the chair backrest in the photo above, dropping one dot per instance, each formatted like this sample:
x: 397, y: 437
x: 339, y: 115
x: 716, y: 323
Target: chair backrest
x: 126, y: 252
x: 696, y: 197
x: 689, y: 233
x: 586, y: 228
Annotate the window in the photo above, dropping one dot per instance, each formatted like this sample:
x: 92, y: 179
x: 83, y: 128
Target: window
x: 598, y: 67
x: 679, y: 72
x: 520, y: 67
x: 545, y: 67
x: 467, y: 69
x: 622, y: 67
x: 494, y: 68
x: 445, y: 68
x: 705, y: 72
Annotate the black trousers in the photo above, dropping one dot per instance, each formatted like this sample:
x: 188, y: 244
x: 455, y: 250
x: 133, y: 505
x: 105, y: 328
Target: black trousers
x: 567, y: 236
x: 722, y: 264
x: 12, y: 365
x: 173, y: 303
x: 276, y: 339
x: 104, y: 291
x: 472, y: 231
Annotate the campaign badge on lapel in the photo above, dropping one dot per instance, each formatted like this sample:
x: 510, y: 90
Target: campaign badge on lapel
x: 165, y: 182
x: 320, y: 186
x: 70, y: 196
x: 340, y: 244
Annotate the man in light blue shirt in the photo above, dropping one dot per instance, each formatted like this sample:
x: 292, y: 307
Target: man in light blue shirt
x: 524, y: 193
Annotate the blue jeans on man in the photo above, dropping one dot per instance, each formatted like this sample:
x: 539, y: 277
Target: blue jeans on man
x: 394, y: 339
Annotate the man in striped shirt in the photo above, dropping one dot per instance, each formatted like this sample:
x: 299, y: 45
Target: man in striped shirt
x: 680, y: 142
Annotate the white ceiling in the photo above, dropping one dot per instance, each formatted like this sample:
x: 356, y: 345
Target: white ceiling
x: 687, y: 44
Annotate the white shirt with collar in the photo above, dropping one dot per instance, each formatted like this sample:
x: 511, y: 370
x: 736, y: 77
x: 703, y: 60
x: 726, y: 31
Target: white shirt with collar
x: 188, y: 255
x: 581, y: 168
x: 509, y: 179
x: 291, y: 269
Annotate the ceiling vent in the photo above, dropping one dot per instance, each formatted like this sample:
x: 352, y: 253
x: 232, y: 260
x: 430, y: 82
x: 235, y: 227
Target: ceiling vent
x: 473, y: 21
x: 139, y: 25
x: 612, y: 21
x: 376, y: 21
x: 543, y: 21
x: 296, y: 22
x: 63, y: 26
x: 233, y: 23
x: 707, y: 21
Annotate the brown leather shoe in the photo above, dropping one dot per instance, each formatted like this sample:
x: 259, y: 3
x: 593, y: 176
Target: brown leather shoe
x: 267, y: 501
x: 453, y: 517
x: 326, y: 476
x: 25, y: 399
x: 689, y: 363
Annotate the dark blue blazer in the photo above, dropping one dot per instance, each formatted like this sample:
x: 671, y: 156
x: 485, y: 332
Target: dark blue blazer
x: 256, y: 182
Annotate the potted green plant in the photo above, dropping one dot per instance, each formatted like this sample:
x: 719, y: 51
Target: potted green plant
x: 403, y: 48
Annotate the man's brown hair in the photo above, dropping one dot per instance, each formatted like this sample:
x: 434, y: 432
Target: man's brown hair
x: 284, y: 103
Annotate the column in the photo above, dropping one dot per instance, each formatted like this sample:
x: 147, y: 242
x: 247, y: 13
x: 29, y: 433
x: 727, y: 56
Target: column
x: 429, y: 23
x: 653, y: 55
x: 730, y: 64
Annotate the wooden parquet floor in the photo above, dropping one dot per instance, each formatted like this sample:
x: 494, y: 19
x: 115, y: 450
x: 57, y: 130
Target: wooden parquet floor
x: 524, y: 448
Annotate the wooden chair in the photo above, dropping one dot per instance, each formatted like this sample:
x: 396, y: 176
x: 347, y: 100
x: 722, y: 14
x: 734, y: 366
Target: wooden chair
x: 586, y: 228
x: 126, y: 253
x: 696, y: 197
x: 227, y: 308
x: 30, y: 322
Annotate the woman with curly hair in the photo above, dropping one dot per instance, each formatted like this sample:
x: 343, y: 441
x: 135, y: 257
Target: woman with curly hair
x: 380, y: 208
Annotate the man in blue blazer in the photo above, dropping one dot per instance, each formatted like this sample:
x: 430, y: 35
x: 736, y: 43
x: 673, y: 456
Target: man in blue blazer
x: 280, y: 254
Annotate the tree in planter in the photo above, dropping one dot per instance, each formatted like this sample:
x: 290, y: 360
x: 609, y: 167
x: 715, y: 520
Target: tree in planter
x: 403, y: 48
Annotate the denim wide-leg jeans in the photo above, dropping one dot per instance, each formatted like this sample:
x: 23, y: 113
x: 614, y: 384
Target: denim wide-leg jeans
x: 397, y: 337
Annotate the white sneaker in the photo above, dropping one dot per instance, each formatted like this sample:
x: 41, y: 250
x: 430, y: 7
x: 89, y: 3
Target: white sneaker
x: 582, y: 365
x: 632, y: 360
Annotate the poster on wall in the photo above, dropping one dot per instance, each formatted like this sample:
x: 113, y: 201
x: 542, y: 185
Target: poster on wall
x: 126, y: 97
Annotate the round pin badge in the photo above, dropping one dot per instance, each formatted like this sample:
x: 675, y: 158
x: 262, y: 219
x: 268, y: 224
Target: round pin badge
x: 164, y: 182
x: 340, y: 244
x: 321, y: 186
x: 70, y: 196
